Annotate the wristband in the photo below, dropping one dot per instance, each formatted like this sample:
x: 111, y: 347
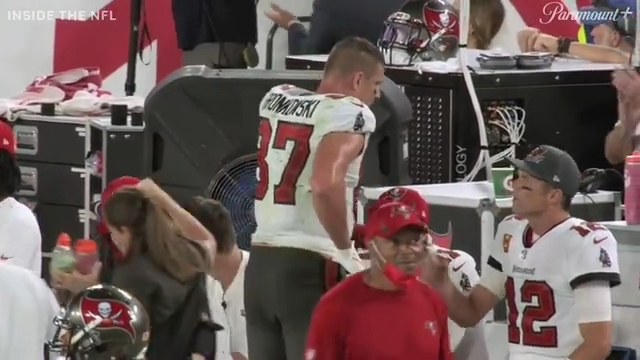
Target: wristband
x: 563, y: 45
x: 292, y: 22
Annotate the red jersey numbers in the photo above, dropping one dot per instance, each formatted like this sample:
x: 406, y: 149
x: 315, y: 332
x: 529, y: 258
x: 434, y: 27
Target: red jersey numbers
x: 586, y: 228
x: 540, y: 306
x: 299, y: 134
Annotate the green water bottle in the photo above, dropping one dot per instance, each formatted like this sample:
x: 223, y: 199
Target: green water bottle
x: 502, y: 182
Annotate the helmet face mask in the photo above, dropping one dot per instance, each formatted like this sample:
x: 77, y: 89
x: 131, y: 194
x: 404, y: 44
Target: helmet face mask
x: 422, y: 30
x: 404, y: 40
x: 101, y: 322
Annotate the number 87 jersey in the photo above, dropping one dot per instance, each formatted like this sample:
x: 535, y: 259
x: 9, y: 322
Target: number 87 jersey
x: 293, y: 121
x: 542, y: 274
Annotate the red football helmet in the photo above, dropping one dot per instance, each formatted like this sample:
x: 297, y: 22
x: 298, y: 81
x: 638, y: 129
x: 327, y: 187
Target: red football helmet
x: 422, y: 30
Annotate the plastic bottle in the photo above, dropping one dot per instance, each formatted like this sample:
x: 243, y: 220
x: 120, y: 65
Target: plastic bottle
x: 62, y: 258
x: 632, y: 189
x: 86, y: 255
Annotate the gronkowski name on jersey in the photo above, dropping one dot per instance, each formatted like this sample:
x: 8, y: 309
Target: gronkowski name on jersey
x: 293, y: 121
x: 541, y: 274
x: 464, y: 276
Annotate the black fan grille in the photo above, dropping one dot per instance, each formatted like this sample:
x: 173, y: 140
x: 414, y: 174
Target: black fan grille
x: 234, y: 186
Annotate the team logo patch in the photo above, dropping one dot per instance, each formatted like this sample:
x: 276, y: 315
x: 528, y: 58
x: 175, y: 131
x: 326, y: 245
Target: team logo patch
x: 358, y: 124
x: 107, y: 314
x: 506, y: 240
x: 465, y: 283
x: 431, y: 326
x: 604, y: 258
x: 536, y: 155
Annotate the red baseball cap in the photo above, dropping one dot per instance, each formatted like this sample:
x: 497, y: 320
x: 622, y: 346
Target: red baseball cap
x: 389, y: 218
x: 405, y: 196
x: 7, y: 139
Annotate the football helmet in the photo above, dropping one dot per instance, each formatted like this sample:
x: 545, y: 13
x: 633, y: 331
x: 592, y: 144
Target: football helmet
x: 101, y: 322
x: 422, y: 30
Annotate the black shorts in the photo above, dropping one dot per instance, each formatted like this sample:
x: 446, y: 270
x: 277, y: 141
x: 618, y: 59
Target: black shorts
x: 281, y: 288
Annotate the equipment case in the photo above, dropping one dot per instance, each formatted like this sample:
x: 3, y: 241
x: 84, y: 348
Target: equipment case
x: 572, y: 106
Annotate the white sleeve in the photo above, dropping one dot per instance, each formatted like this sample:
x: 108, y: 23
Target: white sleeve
x: 20, y: 244
x: 349, y: 115
x: 593, y: 302
x: 494, y: 281
x: 500, y: 245
x: 594, y: 257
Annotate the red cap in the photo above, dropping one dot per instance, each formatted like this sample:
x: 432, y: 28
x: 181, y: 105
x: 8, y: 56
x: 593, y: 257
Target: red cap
x: 7, y: 139
x: 63, y: 239
x: 405, y: 196
x: 85, y: 246
x: 113, y: 186
x: 389, y: 218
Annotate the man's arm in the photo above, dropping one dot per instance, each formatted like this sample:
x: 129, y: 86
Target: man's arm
x: 618, y: 144
x: 593, y: 305
x: 335, y: 153
x: 597, y: 53
x: 318, y: 39
x: 593, y: 270
x: 468, y: 310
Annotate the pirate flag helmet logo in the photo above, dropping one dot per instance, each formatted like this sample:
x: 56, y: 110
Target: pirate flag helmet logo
x: 102, y: 320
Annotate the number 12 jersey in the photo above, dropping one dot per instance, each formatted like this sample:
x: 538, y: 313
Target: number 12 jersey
x: 293, y: 121
x: 541, y: 275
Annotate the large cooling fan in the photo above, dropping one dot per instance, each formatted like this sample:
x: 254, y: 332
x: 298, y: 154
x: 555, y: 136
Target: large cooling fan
x: 235, y: 186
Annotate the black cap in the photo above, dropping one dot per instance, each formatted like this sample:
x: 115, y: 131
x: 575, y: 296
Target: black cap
x: 553, y: 166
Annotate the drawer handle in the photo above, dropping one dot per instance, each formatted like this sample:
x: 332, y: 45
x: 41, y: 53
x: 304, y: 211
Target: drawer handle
x: 26, y: 139
x: 28, y: 181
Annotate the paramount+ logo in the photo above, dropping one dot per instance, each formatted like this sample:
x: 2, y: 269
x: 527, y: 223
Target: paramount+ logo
x: 556, y: 11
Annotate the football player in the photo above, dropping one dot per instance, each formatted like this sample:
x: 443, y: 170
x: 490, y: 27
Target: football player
x: 555, y: 271
x: 27, y: 313
x: 461, y: 268
x: 309, y: 152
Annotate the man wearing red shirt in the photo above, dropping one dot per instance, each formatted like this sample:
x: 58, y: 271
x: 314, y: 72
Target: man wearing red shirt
x: 384, y: 312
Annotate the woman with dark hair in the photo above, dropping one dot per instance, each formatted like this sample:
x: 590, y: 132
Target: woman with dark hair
x: 166, y: 253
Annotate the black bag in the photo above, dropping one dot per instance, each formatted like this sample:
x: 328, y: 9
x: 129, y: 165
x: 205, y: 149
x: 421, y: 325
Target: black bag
x: 189, y: 330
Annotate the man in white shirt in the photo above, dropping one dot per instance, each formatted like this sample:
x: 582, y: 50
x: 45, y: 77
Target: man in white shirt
x: 20, y: 239
x: 26, y: 315
x: 226, y: 292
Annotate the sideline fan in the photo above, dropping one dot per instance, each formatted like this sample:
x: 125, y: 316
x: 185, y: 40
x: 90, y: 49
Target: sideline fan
x: 26, y: 315
x: 228, y: 271
x: 554, y: 270
x: 623, y: 139
x: 163, y: 270
x: 383, y: 311
x: 20, y: 239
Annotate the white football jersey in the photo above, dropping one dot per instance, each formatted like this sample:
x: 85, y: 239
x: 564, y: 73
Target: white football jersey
x: 293, y: 121
x: 542, y: 272
x: 26, y: 314
x: 464, y: 276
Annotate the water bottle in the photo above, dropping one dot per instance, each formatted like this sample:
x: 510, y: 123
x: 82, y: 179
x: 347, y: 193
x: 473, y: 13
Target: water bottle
x: 632, y: 189
x: 62, y: 259
x: 86, y: 255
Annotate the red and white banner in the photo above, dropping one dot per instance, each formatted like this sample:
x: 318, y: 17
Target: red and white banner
x: 43, y: 36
